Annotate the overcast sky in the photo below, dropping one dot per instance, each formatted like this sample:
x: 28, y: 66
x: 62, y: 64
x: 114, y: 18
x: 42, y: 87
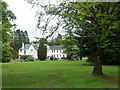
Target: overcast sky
x: 26, y: 19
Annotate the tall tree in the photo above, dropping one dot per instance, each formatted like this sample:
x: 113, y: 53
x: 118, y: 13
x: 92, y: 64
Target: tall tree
x: 101, y: 20
x: 69, y: 44
x: 97, y: 21
x: 19, y: 38
x: 42, y: 50
x: 56, y: 41
x: 7, y: 34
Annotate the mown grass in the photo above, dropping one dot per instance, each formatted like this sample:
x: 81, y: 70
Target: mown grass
x: 56, y: 74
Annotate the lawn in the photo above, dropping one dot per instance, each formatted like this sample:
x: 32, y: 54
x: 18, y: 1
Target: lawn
x: 56, y: 74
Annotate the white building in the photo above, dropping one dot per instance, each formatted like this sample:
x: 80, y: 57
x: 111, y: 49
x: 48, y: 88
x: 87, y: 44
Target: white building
x: 55, y: 51
x: 31, y: 49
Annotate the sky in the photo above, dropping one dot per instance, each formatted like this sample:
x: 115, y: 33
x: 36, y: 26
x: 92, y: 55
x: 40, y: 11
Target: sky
x: 26, y: 19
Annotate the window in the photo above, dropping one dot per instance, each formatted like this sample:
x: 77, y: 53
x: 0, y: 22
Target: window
x: 57, y: 55
x: 24, y: 52
x: 31, y: 50
x: 57, y: 50
x: 20, y: 50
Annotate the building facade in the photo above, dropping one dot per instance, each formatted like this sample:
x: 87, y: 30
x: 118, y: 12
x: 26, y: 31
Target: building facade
x: 31, y: 49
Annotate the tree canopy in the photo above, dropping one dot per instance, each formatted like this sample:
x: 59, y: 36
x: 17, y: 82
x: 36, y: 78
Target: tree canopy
x: 19, y: 37
x: 7, y: 34
x: 96, y: 25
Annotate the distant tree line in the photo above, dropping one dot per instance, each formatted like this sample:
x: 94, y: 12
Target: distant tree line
x: 19, y: 37
x: 11, y: 41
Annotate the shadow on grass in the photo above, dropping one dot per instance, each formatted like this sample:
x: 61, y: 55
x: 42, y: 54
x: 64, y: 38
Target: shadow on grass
x: 108, y: 79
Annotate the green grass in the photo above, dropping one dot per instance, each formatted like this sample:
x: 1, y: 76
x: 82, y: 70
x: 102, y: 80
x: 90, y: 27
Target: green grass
x: 56, y: 74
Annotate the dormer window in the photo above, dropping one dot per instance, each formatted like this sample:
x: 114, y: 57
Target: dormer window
x: 31, y: 50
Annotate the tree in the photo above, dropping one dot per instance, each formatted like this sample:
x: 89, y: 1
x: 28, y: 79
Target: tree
x: 56, y: 41
x: 69, y: 43
x: 100, y: 19
x: 7, y: 34
x: 43, y: 40
x: 99, y: 24
x: 42, y: 50
x: 19, y: 38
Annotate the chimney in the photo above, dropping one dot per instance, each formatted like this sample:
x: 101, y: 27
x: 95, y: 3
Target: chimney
x: 23, y: 46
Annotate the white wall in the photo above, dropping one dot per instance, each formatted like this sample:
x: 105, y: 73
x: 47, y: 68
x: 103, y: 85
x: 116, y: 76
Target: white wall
x: 31, y: 51
x: 56, y: 53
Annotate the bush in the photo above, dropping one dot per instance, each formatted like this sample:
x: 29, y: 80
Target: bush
x: 6, y: 59
x: 24, y: 57
x: 51, y: 58
x: 91, y: 59
x: 64, y: 58
x: 55, y: 58
x: 27, y: 58
x: 30, y: 58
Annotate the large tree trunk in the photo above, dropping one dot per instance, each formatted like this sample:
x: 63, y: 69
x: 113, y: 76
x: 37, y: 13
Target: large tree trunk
x: 97, y: 70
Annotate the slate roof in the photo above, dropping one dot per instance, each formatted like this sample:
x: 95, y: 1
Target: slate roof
x: 36, y: 46
x: 55, y: 47
x: 26, y: 46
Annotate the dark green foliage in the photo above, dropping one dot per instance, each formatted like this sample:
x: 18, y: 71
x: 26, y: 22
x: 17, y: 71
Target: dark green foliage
x: 98, y: 28
x: 69, y: 44
x: 6, y: 59
x: 30, y: 58
x: 56, y: 41
x: 24, y: 57
x: 64, y: 58
x: 97, y: 24
x: 19, y: 38
x: 43, y: 40
x: 51, y: 58
x: 42, y: 52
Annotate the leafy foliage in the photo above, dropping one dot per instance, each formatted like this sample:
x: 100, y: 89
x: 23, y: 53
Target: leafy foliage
x: 7, y: 34
x: 96, y: 24
x: 70, y: 47
x: 19, y: 38
x: 56, y: 41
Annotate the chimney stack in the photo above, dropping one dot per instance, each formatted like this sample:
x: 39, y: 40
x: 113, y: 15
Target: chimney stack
x: 23, y: 46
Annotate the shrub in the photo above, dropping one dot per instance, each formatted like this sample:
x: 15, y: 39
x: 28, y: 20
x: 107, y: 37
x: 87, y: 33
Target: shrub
x: 63, y: 58
x: 42, y: 52
x: 24, y: 57
x: 6, y: 59
x: 91, y: 59
x: 30, y: 58
x: 51, y: 58
x: 55, y: 58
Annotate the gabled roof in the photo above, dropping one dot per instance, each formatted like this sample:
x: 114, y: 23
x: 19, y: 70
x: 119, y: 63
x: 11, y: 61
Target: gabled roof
x: 27, y: 46
x: 36, y: 46
x: 55, y: 47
